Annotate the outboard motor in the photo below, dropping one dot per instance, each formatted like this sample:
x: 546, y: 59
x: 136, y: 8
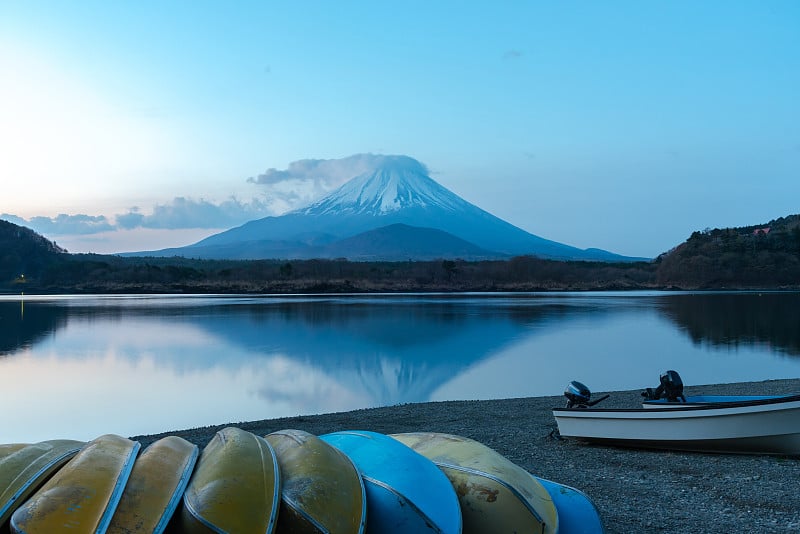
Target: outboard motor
x: 673, y: 386
x: 670, y: 388
x: 578, y: 396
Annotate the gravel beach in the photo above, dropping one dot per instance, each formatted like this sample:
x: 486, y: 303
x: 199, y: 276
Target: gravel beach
x: 634, y: 490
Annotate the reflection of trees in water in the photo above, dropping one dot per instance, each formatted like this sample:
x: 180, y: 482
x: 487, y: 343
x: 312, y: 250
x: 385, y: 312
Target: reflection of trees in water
x: 739, y: 318
x: 22, y: 324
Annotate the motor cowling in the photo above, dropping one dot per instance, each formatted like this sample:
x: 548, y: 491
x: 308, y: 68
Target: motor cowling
x: 577, y: 394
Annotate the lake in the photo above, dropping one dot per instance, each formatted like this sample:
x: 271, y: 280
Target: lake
x: 81, y: 366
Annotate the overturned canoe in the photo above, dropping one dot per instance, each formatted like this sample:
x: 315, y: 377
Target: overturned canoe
x: 235, y: 487
x: 25, y: 467
x: 405, y: 491
x: 322, y: 491
x: 83, y: 494
x: 577, y: 514
x: 495, y: 494
x: 155, y: 487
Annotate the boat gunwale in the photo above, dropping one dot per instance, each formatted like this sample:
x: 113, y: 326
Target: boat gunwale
x: 406, y: 501
x: 679, y: 408
x: 177, y: 495
x: 119, y: 487
x: 726, y: 400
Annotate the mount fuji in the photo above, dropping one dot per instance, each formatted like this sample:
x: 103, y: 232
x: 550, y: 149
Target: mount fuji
x: 393, y: 212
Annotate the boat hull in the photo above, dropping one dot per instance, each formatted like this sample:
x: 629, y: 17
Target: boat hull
x: 25, y: 467
x: 495, y: 494
x: 577, y: 514
x: 83, y: 494
x: 767, y: 426
x: 235, y: 486
x: 322, y: 491
x: 156, y: 485
x: 405, y: 491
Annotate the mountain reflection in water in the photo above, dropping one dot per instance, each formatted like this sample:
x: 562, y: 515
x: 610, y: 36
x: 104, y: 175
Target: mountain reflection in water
x: 145, y: 364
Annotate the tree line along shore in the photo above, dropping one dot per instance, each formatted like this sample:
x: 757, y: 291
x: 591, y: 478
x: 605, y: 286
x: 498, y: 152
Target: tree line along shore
x: 758, y: 257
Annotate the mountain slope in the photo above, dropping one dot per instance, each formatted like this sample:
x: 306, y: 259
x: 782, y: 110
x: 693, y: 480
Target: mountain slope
x: 399, y: 242
x: 24, y: 253
x: 397, y: 191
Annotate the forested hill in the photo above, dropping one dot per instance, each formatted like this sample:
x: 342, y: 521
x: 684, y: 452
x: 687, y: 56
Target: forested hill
x: 761, y: 256
x: 24, y: 253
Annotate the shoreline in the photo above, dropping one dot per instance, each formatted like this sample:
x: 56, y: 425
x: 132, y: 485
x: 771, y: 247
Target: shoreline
x: 634, y: 490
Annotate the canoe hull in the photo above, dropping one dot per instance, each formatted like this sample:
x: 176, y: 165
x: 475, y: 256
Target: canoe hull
x: 156, y: 485
x: 769, y: 426
x: 495, y: 494
x: 24, y: 468
x: 322, y: 490
x: 577, y: 514
x: 405, y: 491
x: 235, y: 486
x: 83, y: 495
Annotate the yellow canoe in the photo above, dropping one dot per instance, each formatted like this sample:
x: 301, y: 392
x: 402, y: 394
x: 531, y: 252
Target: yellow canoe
x: 495, y: 494
x: 155, y: 487
x: 235, y: 487
x: 25, y: 467
x: 82, y: 495
x: 323, y: 493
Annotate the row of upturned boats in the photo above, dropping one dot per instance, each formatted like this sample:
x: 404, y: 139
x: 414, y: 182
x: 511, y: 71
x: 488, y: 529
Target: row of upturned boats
x: 353, y: 482
x: 287, y: 481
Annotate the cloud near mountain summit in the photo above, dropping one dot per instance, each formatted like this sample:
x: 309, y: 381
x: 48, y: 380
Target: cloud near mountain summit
x: 307, y: 180
x: 328, y: 174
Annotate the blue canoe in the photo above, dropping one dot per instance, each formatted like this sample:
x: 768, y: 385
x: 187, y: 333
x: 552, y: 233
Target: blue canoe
x: 405, y: 491
x: 577, y: 513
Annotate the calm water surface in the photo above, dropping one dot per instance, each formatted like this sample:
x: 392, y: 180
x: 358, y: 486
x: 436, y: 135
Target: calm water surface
x: 80, y: 366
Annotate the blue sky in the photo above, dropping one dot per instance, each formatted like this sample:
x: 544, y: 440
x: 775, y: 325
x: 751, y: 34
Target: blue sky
x: 619, y: 125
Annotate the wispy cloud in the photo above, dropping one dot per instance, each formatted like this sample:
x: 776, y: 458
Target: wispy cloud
x: 184, y: 212
x: 63, y: 224
x: 513, y: 54
x: 180, y: 213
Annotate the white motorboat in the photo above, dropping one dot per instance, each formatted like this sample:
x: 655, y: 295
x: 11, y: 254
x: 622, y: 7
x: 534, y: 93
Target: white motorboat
x: 737, y: 424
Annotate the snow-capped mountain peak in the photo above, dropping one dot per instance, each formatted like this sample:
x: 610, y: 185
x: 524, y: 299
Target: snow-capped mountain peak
x: 397, y: 182
x: 390, y: 209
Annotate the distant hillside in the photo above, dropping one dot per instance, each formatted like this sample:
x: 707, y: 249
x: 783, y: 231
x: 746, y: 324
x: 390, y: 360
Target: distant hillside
x: 394, y: 242
x: 24, y: 254
x: 399, y: 242
x: 761, y: 256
